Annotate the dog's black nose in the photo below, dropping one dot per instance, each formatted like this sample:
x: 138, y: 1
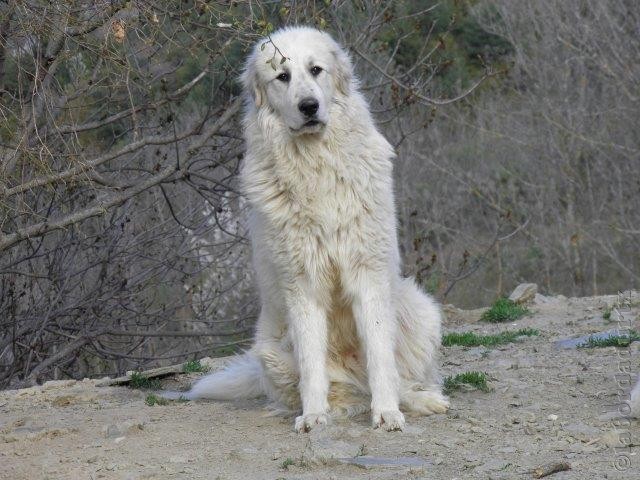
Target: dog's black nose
x: 308, y: 106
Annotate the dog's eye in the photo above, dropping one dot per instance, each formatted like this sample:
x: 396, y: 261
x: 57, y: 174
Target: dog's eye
x: 315, y: 71
x: 284, y: 77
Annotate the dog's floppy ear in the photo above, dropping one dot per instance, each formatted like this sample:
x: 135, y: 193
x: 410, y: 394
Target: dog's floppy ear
x: 343, y: 71
x: 250, y: 81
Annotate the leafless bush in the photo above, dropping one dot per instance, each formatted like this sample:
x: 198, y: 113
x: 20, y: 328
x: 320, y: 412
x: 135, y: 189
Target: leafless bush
x: 119, y: 151
x: 549, y: 158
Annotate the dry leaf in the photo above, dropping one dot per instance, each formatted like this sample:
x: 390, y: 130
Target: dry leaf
x: 118, y: 30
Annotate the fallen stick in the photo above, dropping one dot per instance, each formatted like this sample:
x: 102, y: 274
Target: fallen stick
x: 153, y: 373
x: 210, y: 363
x: 550, y: 469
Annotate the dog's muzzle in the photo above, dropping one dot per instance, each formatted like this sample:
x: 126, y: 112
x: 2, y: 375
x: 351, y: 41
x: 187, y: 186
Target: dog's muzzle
x: 308, y: 106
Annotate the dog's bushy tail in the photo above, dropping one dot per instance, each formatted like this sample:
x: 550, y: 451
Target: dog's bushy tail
x: 241, y: 378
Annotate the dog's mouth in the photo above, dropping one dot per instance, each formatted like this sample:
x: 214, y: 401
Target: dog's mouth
x: 310, y: 126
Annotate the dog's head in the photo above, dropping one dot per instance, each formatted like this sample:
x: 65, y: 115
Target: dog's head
x: 297, y: 72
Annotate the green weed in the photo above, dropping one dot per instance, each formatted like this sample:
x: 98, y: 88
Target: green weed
x: 477, y: 380
x: 153, y: 400
x: 138, y: 380
x: 195, y: 366
x: 470, y: 339
x: 611, y: 341
x: 504, y: 310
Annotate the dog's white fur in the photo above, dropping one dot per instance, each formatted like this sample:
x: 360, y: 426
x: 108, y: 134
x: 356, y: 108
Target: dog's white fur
x: 338, y: 323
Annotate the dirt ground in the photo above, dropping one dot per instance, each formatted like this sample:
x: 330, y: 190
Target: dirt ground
x: 546, y: 404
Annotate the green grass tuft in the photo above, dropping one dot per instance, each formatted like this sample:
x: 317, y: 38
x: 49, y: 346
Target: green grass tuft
x: 504, y: 310
x: 195, y: 366
x: 153, y: 400
x: 611, y: 341
x: 477, y: 380
x: 470, y: 339
x: 287, y: 463
x: 607, y: 313
x: 138, y: 380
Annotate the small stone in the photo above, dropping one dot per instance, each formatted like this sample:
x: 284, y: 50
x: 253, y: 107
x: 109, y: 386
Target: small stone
x: 552, y: 417
x: 325, y: 445
x: 524, y: 292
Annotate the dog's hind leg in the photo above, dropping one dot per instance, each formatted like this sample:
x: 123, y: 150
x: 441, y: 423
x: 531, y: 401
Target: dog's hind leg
x: 281, y: 377
x: 424, y: 402
x: 417, y: 346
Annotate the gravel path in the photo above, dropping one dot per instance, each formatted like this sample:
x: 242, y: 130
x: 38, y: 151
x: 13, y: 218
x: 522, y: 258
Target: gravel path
x: 546, y: 404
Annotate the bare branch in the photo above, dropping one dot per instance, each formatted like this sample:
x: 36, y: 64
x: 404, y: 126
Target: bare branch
x: 68, y: 350
x: 431, y: 101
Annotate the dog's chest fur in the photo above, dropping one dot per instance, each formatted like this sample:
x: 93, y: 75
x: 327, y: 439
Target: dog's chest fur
x: 318, y: 188
x: 324, y: 207
x: 323, y: 190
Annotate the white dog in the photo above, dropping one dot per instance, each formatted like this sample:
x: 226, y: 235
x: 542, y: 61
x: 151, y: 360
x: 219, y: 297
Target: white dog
x: 338, y: 324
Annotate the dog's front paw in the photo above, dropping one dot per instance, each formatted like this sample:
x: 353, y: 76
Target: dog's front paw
x: 390, y: 420
x: 305, y: 423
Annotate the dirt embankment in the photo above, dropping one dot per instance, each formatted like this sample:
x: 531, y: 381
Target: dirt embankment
x: 546, y: 404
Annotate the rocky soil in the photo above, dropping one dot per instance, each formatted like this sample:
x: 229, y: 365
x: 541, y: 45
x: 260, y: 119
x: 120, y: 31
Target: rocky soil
x: 546, y: 404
